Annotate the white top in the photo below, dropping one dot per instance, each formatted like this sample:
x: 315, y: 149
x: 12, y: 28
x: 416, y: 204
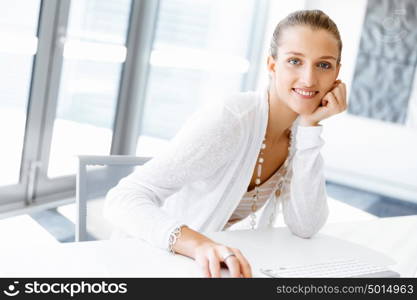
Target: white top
x: 271, y: 185
x: 200, y: 178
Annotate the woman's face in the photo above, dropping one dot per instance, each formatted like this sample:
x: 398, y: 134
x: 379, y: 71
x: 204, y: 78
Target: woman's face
x: 305, y: 63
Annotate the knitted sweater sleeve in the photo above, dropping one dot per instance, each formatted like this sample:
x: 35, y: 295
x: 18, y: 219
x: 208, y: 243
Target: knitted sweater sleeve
x: 203, y: 145
x: 305, y: 208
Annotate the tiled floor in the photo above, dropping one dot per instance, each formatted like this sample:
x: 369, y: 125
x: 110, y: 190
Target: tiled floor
x: 63, y: 229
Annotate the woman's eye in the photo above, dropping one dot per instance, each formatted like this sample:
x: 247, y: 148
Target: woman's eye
x: 293, y: 61
x: 325, y: 65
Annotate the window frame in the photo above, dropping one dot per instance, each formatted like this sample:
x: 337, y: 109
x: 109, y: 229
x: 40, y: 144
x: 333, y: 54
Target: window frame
x: 35, y: 190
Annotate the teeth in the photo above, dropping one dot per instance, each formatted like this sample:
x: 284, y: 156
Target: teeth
x: 301, y: 92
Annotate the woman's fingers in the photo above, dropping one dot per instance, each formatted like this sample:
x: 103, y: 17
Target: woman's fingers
x: 210, y: 260
x: 333, y: 102
x: 244, y: 264
x: 238, y: 264
x: 337, y: 99
x: 203, y: 262
x: 340, y: 94
x: 344, y: 95
x: 332, y: 105
x: 214, y: 264
x: 336, y: 95
x: 335, y: 84
x: 233, y: 265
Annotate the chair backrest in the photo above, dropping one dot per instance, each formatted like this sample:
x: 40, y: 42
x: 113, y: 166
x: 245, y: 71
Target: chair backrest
x: 96, y: 175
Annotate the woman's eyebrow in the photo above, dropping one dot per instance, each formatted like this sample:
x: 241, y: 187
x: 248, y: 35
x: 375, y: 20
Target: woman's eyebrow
x: 322, y: 57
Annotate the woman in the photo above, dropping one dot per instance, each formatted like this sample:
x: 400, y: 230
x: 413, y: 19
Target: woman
x: 250, y: 150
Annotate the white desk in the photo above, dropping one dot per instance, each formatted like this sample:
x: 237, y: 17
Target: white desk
x: 394, y: 237
x: 22, y: 230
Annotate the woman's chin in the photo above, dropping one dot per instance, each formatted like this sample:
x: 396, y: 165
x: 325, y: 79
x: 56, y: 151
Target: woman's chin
x: 303, y: 109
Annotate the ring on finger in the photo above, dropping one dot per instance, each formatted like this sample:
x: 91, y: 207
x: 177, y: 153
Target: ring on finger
x: 227, y: 255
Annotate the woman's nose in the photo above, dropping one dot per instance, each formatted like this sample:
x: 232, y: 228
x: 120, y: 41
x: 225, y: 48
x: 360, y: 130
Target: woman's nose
x: 308, y: 77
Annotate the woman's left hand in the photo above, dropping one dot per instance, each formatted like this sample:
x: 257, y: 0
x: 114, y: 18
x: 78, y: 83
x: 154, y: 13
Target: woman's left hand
x: 332, y: 103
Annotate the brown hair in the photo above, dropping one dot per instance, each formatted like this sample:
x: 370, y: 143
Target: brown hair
x: 316, y: 19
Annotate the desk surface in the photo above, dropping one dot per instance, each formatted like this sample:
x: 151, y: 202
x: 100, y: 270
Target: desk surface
x: 392, y: 237
x: 23, y: 230
x: 395, y: 237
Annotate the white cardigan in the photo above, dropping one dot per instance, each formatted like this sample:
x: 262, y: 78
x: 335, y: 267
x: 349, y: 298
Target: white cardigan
x: 202, y: 175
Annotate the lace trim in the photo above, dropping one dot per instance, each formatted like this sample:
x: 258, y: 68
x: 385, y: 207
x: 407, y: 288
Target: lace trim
x: 173, y: 237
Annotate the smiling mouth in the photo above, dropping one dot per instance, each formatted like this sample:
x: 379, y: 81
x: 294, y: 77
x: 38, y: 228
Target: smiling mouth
x: 305, y: 94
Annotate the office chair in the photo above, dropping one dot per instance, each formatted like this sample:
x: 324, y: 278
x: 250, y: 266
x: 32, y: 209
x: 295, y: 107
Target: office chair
x: 96, y: 175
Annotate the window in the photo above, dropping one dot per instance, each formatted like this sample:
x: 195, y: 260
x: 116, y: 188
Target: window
x: 18, y: 32
x: 87, y: 77
x: 200, y: 51
x: 94, y: 53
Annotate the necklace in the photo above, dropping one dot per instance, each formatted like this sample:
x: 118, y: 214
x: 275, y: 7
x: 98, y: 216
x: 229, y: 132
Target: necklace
x: 278, y: 191
x: 282, y: 171
x: 257, y: 183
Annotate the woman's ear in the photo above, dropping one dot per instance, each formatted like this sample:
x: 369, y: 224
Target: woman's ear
x: 271, y: 64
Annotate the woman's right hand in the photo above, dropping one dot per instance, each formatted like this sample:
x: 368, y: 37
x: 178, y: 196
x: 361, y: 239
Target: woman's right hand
x: 209, y: 256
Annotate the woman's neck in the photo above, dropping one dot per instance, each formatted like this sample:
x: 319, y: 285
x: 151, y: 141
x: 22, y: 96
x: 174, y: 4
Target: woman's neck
x: 280, y: 118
